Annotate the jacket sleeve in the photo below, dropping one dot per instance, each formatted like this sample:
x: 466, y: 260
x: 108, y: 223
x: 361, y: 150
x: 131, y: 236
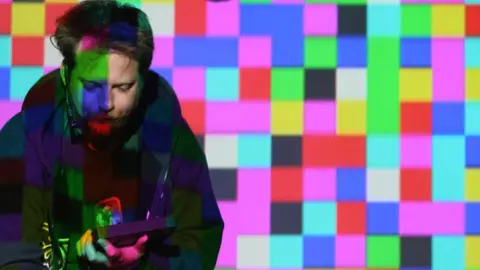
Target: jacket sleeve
x: 21, y: 199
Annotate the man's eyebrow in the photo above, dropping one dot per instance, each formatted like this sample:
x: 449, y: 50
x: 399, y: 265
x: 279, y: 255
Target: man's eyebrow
x: 124, y: 83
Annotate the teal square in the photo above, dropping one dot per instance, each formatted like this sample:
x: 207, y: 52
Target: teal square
x: 22, y: 79
x: 254, y: 150
x: 472, y: 124
x: 472, y: 52
x: 472, y: 1
x: 319, y: 218
x: 286, y: 251
x: 448, y: 168
x: 383, y: 151
x: 222, y: 84
x: 448, y: 252
x: 6, y: 49
x: 383, y: 20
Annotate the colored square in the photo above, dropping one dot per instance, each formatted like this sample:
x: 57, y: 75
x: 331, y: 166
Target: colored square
x: 22, y: 79
x: 288, y: 49
x: 194, y: 113
x: 320, y: 52
x: 383, y: 185
x: 163, y: 53
x: 383, y: 20
x: 287, y: 118
x: 352, y: 20
x: 28, y: 19
x: 472, y: 218
x: 472, y: 22
x: 255, y: 83
x: 52, y: 13
x: 352, y: 52
x: 448, y: 69
x: 383, y: 251
x: 320, y: 20
x: 6, y: 49
x: 351, y: 218
x: 472, y: 125
x: 318, y: 251
x: 324, y: 125
x: 448, y: 252
x: 287, y: 84
x: 223, y: 18
x: 415, y: 52
x: 224, y: 184
x: 253, y: 251
x: 221, y: 151
x: 416, y: 251
x: 287, y: 185
x: 416, y: 185
x: 448, y: 118
x: 472, y: 249
x: 472, y: 83
x: 5, y: 18
x: 472, y: 157
x: 255, y: 52
x: 351, y: 117
x: 161, y: 17
x: 194, y: 87
x: 416, y: 118
x: 382, y: 218
x: 5, y: 79
x: 51, y: 55
x: 416, y: 20
x: 448, y: 20
x: 350, y: 251
x: 351, y: 84
x: 319, y: 84
x: 416, y: 151
x: 472, y: 54
x: 415, y: 84
x: 286, y: 151
x: 254, y: 151
x: 222, y: 84
x: 472, y: 184
x: 286, y: 251
x: 319, y: 218
x: 351, y: 184
x: 27, y: 51
x: 383, y: 151
x: 319, y: 185
x: 286, y: 218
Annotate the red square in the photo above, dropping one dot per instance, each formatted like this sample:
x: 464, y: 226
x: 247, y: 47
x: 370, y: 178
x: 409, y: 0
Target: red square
x: 351, y: 218
x: 416, y: 185
x: 255, y: 83
x: 416, y: 117
x: 287, y: 185
x: 194, y: 114
x: 190, y: 17
x: 5, y: 18
x: 53, y: 12
x: 472, y: 20
x: 27, y: 51
x: 350, y: 151
x: 318, y: 151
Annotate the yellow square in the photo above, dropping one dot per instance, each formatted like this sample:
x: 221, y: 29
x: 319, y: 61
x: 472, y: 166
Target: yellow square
x: 472, y: 84
x: 472, y: 251
x: 28, y: 19
x: 472, y: 185
x: 287, y: 117
x: 415, y: 84
x: 448, y: 20
x: 351, y: 117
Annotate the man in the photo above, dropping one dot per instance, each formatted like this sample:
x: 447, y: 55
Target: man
x: 98, y: 142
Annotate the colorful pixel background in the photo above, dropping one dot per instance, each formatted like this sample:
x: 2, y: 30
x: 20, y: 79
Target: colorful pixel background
x: 336, y: 140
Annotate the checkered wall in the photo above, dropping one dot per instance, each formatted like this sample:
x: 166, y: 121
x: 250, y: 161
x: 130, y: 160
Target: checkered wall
x: 336, y: 140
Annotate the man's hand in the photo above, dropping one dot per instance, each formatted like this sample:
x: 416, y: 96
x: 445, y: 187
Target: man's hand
x: 105, y: 254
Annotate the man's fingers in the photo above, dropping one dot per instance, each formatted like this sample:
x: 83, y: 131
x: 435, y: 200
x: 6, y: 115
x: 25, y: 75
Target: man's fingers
x: 141, y: 241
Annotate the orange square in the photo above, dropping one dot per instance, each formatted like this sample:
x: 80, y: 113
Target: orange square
x: 53, y: 12
x: 287, y: 185
x: 27, y: 51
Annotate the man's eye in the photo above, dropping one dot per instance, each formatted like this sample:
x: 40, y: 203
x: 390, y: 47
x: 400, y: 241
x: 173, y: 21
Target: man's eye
x: 125, y: 87
x: 89, y: 86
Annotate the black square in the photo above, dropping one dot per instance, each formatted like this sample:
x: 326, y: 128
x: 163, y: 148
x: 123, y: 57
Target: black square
x: 320, y: 84
x: 352, y: 20
x: 286, y: 218
x: 287, y: 151
x: 224, y: 183
x: 416, y: 251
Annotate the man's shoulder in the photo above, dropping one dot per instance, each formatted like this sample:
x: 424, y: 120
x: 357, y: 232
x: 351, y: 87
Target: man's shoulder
x: 162, y: 102
x: 43, y: 92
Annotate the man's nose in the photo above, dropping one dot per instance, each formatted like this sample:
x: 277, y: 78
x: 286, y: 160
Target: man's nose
x: 105, y: 100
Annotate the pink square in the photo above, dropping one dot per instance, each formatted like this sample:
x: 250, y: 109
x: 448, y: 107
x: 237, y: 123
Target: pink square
x: 8, y: 109
x: 255, y: 52
x: 253, y: 200
x: 448, y: 69
x: 319, y: 184
x: 223, y: 18
x: 288, y: 1
x: 320, y: 19
x: 228, y: 117
x: 163, y: 54
x: 350, y: 251
x: 320, y: 117
x: 431, y: 218
x: 189, y: 83
x: 47, y: 70
x: 416, y: 151
x: 228, y: 251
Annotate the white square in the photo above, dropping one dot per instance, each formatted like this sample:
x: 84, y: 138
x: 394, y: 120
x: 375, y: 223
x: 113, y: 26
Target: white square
x: 52, y: 57
x: 383, y: 185
x: 221, y: 151
x: 351, y: 84
x: 253, y: 252
x: 162, y: 18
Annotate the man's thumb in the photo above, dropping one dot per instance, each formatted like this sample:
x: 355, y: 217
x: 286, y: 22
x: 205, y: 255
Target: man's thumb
x: 141, y: 241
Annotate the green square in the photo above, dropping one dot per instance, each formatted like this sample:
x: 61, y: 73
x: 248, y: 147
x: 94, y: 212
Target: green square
x: 383, y: 251
x: 416, y: 20
x: 287, y: 84
x: 320, y: 52
x: 255, y: 1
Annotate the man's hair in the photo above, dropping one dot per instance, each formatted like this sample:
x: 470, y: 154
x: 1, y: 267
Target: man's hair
x: 114, y: 25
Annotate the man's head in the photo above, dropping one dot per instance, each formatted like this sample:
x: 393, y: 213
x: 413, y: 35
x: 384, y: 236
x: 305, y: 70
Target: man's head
x: 107, y: 48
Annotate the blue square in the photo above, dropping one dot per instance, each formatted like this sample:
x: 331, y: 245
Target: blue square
x: 472, y: 53
x: 5, y: 79
x: 319, y: 218
x: 472, y: 123
x: 166, y: 73
x: 352, y: 52
x: 202, y: 51
x: 383, y: 151
x: 415, y: 52
x: 382, y: 218
x: 383, y: 20
x: 222, y: 84
x: 318, y: 251
x: 448, y: 118
x: 287, y: 51
x: 472, y: 219
x: 448, y: 252
x: 351, y: 184
x: 286, y: 251
x: 448, y: 162
x: 22, y: 79
x: 472, y: 146
x: 254, y: 151
x: 6, y: 49
x: 283, y: 20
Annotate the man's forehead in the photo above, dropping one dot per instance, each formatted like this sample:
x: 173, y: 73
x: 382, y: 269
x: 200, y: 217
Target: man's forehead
x: 92, y: 64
